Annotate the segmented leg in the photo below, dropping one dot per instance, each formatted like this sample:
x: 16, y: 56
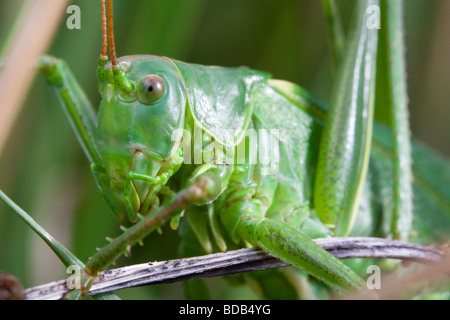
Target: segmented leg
x: 347, y: 135
x: 76, y: 106
x: 393, y: 50
x: 292, y: 246
x: 203, y: 188
x: 245, y: 218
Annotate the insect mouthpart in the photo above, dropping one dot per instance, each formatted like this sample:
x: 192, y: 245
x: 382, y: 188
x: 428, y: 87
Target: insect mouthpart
x: 140, y: 150
x: 148, y: 176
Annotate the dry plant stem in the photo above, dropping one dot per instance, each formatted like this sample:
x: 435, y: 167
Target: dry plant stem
x: 231, y: 262
x: 32, y: 40
x: 412, y: 281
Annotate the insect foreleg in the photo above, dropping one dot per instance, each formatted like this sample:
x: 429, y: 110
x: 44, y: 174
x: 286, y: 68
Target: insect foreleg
x: 203, y: 188
x: 75, y: 104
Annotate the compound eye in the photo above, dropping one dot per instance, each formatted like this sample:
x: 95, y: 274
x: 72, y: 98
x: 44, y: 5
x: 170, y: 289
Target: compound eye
x: 151, y: 89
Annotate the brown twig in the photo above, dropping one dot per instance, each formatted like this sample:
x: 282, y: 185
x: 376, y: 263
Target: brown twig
x: 232, y: 262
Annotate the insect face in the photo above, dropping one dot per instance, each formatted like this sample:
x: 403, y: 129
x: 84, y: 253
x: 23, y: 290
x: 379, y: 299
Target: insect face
x: 135, y: 129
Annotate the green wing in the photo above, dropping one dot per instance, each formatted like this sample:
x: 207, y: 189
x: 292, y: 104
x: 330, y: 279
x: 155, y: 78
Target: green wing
x: 219, y: 98
x: 298, y: 132
x: 300, y: 118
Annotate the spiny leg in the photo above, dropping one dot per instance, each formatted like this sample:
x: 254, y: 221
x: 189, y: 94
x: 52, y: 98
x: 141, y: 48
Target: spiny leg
x: 203, y: 188
x: 346, y: 139
x: 292, y: 246
x: 245, y: 219
x: 393, y: 52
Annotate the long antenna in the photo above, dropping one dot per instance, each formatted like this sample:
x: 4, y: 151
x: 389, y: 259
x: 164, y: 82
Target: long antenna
x: 104, y: 53
x: 125, y: 85
x: 112, y: 48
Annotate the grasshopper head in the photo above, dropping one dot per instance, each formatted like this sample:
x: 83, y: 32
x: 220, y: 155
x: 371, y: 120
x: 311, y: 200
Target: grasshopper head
x: 137, y: 126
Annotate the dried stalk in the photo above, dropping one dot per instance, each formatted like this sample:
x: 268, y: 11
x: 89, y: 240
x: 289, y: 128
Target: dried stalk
x: 231, y: 262
x: 32, y: 40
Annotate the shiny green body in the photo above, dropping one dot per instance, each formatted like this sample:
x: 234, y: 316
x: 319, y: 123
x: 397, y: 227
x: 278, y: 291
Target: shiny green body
x: 254, y: 202
x: 279, y: 168
x: 224, y: 105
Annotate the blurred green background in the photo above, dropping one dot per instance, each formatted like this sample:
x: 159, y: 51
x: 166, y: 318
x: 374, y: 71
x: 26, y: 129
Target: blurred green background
x: 44, y: 170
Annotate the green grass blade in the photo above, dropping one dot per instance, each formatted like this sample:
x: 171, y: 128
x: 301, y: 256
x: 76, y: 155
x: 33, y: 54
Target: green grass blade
x: 66, y: 257
x: 64, y: 254
x: 394, y: 56
x: 335, y: 30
